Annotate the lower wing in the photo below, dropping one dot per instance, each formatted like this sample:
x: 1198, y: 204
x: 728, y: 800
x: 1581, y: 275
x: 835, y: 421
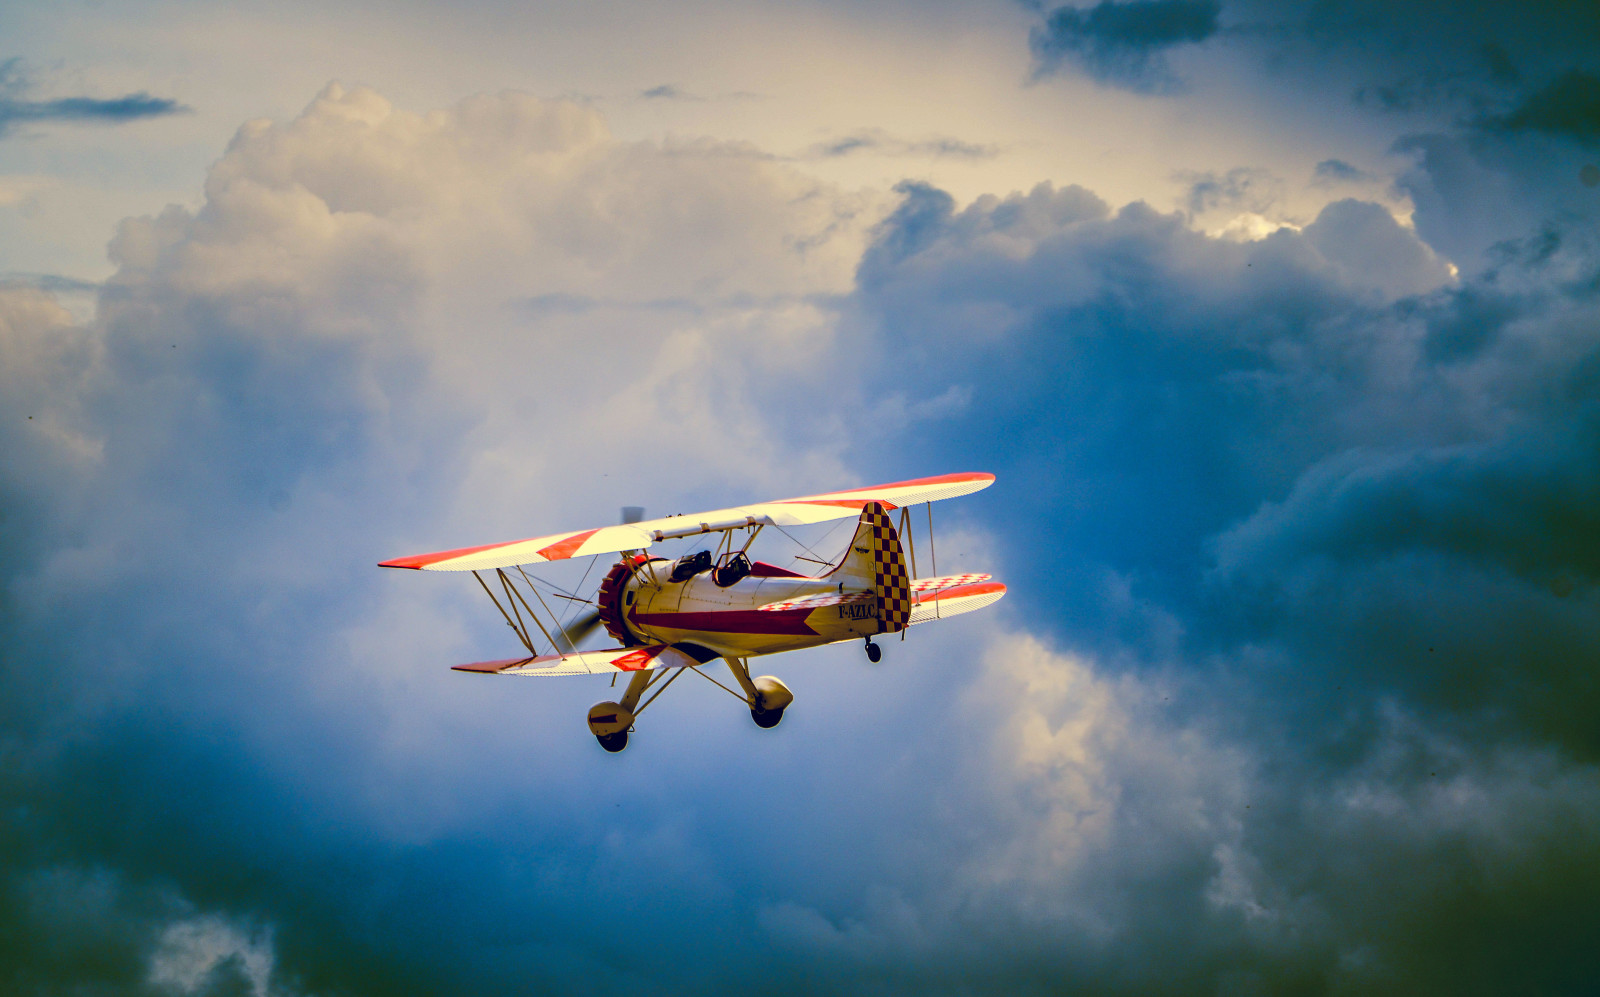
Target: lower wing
x: 607, y: 662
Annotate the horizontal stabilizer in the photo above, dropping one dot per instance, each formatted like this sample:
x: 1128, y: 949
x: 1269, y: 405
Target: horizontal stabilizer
x: 954, y: 600
x: 922, y: 588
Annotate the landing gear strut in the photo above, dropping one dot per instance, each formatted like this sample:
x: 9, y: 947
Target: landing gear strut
x: 874, y: 652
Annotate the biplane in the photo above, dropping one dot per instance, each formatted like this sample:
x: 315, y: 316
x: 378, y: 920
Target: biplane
x: 669, y: 617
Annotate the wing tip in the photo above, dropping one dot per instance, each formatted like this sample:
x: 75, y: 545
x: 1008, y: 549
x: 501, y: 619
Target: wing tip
x: 492, y: 667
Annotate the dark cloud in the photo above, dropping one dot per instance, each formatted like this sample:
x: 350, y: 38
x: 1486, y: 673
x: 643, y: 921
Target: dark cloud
x: 86, y: 110
x: 1331, y: 171
x: 1341, y: 490
x: 1122, y: 43
x: 16, y: 110
x: 1569, y: 106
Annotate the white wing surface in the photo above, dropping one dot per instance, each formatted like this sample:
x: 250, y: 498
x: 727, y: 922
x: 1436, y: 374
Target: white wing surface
x: 953, y: 600
x: 608, y: 662
x: 636, y: 536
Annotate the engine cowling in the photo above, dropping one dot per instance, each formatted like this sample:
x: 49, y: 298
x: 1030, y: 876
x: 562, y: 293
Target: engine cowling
x: 609, y: 598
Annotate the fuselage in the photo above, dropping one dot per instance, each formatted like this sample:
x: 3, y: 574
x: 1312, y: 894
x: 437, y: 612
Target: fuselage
x: 770, y: 610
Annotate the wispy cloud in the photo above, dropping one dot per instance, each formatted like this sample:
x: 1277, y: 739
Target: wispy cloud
x: 1333, y: 171
x: 881, y: 142
x: 16, y: 109
x: 668, y: 91
x: 671, y: 91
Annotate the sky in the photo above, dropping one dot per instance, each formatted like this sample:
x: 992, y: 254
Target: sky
x: 1275, y: 321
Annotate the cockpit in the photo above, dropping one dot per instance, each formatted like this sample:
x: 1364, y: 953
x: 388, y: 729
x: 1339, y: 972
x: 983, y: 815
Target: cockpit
x: 726, y: 570
x: 689, y: 565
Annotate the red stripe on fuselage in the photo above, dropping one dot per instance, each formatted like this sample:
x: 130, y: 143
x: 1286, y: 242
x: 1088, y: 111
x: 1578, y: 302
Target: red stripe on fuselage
x: 761, y: 569
x: 782, y: 623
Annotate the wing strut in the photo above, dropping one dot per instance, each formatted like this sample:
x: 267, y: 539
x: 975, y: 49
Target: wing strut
x: 522, y: 634
x: 570, y: 645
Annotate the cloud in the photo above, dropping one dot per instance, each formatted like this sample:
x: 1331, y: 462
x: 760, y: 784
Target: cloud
x: 1331, y: 171
x: 1244, y: 486
x: 208, y: 955
x: 15, y: 111
x: 667, y: 91
x: 1569, y: 105
x: 878, y: 141
x: 348, y: 301
x: 1241, y: 187
x: 1122, y: 44
x: 1360, y: 496
x: 90, y: 110
x: 1144, y: 360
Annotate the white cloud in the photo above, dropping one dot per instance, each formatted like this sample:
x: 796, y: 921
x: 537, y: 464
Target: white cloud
x: 192, y: 953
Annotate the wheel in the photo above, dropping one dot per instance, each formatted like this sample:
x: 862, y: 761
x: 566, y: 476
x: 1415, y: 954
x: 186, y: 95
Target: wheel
x: 766, y: 719
x: 874, y: 652
x: 613, y: 742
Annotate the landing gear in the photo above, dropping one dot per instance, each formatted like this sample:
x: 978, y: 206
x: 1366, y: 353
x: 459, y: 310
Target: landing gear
x: 874, y: 652
x: 767, y: 696
x: 610, y: 722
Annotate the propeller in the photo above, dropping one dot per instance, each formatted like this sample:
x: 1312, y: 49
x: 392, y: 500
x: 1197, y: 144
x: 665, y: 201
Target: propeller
x: 580, y: 628
x: 584, y: 625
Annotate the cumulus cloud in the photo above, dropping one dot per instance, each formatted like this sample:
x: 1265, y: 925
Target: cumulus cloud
x: 1337, y: 484
x: 328, y: 363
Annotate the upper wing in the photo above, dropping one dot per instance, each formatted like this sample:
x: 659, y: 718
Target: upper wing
x: 608, y: 662
x: 556, y: 547
x: 636, y: 536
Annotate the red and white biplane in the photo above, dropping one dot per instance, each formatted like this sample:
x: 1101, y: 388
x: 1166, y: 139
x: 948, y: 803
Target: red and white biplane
x: 674, y: 616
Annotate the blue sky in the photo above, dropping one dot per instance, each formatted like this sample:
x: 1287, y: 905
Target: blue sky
x: 1276, y: 322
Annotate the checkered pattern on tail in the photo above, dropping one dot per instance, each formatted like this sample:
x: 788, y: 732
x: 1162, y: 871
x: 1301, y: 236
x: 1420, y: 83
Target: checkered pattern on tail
x: 890, y: 581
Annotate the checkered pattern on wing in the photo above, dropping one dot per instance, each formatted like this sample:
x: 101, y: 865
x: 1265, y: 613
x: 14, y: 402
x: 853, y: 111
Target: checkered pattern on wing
x: 923, y: 586
x: 890, y: 580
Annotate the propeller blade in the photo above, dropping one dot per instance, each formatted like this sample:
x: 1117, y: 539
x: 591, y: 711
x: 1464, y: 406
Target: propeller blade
x: 632, y: 514
x: 580, y: 628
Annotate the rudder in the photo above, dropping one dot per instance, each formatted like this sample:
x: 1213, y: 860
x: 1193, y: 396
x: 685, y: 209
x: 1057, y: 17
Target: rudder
x: 875, y: 558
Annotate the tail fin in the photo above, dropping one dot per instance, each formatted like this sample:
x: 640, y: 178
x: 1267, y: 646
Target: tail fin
x: 875, y: 561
